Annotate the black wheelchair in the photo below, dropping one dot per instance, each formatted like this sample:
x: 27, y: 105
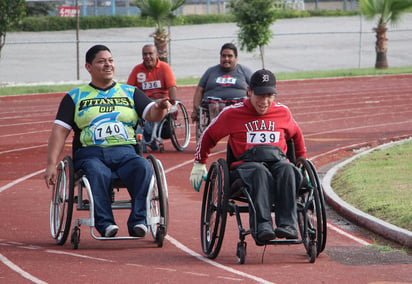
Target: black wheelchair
x: 223, y: 197
x: 74, y: 188
x: 174, y: 126
x: 209, y: 108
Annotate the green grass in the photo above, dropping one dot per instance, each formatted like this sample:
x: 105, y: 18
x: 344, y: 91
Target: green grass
x: 34, y: 89
x: 380, y: 184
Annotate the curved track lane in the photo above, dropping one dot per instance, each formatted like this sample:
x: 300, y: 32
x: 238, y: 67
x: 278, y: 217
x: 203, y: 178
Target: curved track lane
x: 336, y: 115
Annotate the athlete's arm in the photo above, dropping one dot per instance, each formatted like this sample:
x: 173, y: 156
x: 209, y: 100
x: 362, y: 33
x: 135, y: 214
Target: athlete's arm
x: 57, y: 140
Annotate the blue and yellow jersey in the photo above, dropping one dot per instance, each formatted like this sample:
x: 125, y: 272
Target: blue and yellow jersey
x: 105, y: 117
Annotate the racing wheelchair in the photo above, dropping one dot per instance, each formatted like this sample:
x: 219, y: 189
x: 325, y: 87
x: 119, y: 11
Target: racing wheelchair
x: 209, y: 108
x: 74, y: 188
x: 223, y: 197
x: 174, y: 126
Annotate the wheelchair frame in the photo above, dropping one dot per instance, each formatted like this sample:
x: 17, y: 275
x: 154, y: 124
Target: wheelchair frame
x: 219, y: 200
x: 204, y: 119
x: 63, y: 199
x: 177, y: 124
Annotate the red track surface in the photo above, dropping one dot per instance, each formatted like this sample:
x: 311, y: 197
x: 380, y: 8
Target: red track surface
x: 336, y: 115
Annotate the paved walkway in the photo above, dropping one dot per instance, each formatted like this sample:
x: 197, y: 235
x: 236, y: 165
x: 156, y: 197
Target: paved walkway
x: 298, y: 45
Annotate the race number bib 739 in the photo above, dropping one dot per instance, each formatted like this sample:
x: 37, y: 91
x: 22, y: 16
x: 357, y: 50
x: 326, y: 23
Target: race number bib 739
x: 262, y: 137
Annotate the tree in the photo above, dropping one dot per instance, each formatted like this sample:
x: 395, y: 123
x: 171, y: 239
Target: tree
x: 36, y: 9
x: 11, y: 12
x: 161, y: 12
x: 388, y: 11
x: 254, y: 18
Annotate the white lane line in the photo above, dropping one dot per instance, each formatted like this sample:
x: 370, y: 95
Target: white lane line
x: 196, y: 274
x: 7, y: 186
x: 348, y: 235
x: 22, y: 149
x: 213, y: 263
x: 25, y: 123
x: 20, y: 271
x: 176, y: 243
x: 24, y: 133
x: 172, y: 240
x: 407, y: 122
x: 78, y: 255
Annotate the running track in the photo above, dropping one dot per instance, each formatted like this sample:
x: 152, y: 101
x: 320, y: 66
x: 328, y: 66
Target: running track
x: 336, y: 115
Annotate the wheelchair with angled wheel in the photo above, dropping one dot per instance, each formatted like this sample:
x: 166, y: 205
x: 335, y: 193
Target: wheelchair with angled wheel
x: 223, y: 196
x: 73, y: 189
x: 209, y: 108
x: 174, y: 126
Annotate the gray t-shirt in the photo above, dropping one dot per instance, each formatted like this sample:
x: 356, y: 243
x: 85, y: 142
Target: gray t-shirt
x: 225, y: 85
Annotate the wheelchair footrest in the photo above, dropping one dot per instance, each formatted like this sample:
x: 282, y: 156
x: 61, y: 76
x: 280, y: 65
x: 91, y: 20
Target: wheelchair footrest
x: 283, y: 242
x: 122, y: 204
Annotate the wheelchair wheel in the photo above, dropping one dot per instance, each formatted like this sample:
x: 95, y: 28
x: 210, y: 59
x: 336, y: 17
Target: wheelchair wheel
x: 61, y: 205
x: 158, y: 214
x: 310, y: 217
x: 202, y: 122
x: 319, y: 188
x: 214, y: 209
x: 179, y: 124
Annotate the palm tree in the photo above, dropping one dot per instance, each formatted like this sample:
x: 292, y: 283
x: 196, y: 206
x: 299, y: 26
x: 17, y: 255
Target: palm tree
x: 161, y: 12
x: 388, y: 11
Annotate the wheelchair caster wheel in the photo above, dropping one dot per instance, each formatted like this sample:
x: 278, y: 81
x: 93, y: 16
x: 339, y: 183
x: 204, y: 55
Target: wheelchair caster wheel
x: 161, y: 148
x: 75, y: 238
x: 312, y: 252
x: 160, y: 236
x: 241, y: 252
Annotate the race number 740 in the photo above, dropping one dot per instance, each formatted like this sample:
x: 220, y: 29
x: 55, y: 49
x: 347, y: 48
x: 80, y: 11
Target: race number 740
x: 109, y: 129
x: 262, y: 137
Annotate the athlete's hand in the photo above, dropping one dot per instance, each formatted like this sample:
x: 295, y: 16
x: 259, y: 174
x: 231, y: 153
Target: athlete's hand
x: 50, y: 176
x: 196, y: 176
x: 163, y: 104
x: 194, y: 116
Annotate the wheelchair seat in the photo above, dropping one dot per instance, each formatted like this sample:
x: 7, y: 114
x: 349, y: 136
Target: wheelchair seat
x: 237, y: 184
x: 209, y: 108
x: 175, y: 126
x: 74, y: 188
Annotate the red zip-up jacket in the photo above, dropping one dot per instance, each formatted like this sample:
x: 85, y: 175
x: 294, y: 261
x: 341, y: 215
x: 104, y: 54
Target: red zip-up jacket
x: 246, y: 128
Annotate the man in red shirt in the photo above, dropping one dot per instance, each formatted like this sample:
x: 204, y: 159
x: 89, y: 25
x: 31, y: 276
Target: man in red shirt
x: 156, y: 79
x: 258, y: 129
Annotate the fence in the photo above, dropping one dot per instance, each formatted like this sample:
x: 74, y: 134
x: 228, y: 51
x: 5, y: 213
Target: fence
x: 126, y: 7
x: 303, y: 44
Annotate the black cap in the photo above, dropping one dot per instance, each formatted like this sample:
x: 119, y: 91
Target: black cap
x: 263, y: 82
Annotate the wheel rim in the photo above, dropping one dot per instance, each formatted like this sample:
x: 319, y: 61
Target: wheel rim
x: 158, y: 206
x: 311, y: 225
x: 62, y: 202
x: 179, y: 123
x: 213, y: 220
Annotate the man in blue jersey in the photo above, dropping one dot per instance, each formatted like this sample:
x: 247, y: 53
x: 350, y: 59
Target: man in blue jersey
x: 103, y: 116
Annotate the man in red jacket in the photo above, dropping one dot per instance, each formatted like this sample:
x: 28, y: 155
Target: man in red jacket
x: 258, y: 129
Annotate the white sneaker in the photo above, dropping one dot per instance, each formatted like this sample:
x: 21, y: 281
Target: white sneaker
x: 111, y: 231
x: 140, y: 231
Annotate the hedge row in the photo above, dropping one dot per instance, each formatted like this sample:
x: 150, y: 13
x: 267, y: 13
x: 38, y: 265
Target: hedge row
x: 49, y: 23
